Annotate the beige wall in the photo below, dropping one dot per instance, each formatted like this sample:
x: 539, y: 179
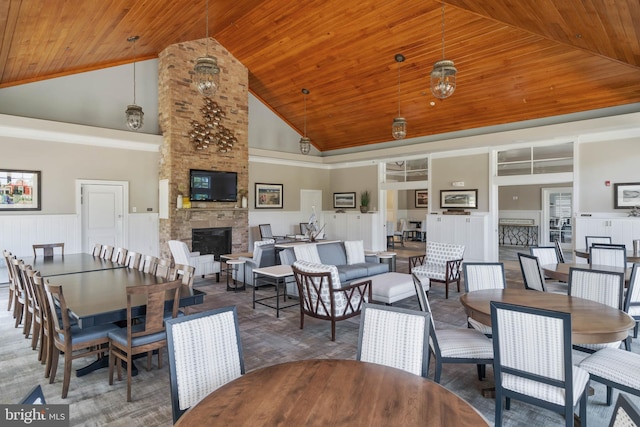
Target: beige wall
x: 62, y: 164
x: 356, y: 179
x: 529, y: 197
x: 473, y: 170
x: 293, y: 179
x: 617, y: 162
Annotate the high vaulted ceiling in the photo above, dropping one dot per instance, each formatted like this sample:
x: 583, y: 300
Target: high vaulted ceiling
x: 517, y: 60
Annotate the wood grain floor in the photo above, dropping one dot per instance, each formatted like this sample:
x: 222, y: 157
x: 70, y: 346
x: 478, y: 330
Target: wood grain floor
x: 266, y: 340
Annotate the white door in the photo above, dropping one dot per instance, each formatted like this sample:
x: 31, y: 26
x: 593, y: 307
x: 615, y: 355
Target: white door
x: 102, y: 213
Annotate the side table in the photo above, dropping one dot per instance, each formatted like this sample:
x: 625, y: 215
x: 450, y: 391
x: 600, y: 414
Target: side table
x: 388, y: 258
x: 232, y: 267
x: 276, y: 276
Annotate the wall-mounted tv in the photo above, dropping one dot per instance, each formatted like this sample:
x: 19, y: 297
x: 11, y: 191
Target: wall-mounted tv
x: 213, y: 186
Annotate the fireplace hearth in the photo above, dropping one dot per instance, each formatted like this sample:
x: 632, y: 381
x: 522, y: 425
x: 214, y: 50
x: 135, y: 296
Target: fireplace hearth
x: 216, y: 241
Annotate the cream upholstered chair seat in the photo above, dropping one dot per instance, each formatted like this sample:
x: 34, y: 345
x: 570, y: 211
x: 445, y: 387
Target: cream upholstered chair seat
x: 615, y: 368
x: 204, y: 264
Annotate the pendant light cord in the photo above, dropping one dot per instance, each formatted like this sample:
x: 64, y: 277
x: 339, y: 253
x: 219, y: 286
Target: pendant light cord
x: 305, y: 115
x: 398, y: 89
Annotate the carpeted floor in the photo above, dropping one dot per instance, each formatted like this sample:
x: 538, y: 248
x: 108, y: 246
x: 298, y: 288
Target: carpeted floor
x: 266, y: 340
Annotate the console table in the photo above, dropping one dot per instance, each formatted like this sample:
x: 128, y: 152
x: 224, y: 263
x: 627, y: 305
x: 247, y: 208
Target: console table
x: 518, y: 232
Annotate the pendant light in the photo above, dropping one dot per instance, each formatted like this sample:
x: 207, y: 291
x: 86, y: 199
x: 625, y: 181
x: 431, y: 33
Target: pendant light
x: 399, y: 125
x: 134, y: 114
x: 305, y: 143
x: 206, y: 68
x: 443, y: 76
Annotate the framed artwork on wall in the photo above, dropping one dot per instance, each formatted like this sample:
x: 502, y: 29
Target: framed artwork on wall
x: 626, y: 195
x: 459, y: 199
x: 20, y: 190
x: 344, y: 200
x: 422, y: 198
x: 269, y: 196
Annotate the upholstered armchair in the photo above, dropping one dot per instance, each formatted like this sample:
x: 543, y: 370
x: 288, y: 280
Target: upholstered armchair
x: 442, y: 263
x: 322, y: 295
x: 264, y: 255
x: 204, y: 264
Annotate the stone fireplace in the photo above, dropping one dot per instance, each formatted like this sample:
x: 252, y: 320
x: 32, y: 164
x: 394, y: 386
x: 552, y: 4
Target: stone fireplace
x: 180, y: 104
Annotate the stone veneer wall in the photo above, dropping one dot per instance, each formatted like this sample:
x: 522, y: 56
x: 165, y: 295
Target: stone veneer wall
x: 179, y: 103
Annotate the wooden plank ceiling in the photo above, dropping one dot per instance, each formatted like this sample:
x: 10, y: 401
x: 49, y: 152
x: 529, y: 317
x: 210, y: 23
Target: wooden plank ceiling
x: 517, y: 60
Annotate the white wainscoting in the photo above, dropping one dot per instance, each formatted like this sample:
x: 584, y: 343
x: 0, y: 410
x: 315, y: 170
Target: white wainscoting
x: 19, y: 232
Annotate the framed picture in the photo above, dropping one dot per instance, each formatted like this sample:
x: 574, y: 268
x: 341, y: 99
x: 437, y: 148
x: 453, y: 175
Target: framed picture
x: 459, y: 199
x: 269, y: 196
x: 20, y: 190
x: 422, y: 198
x: 626, y: 195
x: 344, y: 200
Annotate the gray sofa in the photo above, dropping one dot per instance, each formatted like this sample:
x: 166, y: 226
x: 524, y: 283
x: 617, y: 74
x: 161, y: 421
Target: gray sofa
x: 334, y: 253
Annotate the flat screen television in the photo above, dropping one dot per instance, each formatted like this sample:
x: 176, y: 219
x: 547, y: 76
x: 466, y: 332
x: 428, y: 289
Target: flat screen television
x: 213, y: 186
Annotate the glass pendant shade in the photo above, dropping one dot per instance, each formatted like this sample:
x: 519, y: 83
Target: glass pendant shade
x: 135, y: 117
x: 443, y: 79
x: 305, y: 145
x: 207, y: 75
x: 399, y: 128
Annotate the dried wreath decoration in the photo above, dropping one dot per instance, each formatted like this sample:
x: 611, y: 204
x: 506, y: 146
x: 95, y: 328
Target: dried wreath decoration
x: 212, y: 132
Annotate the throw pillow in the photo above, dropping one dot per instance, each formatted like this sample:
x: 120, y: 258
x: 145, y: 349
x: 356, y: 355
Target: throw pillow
x: 307, y: 253
x: 355, y: 251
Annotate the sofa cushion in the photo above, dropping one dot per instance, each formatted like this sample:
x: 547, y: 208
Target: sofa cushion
x: 350, y: 272
x: 355, y: 251
x: 307, y: 253
x: 332, y: 253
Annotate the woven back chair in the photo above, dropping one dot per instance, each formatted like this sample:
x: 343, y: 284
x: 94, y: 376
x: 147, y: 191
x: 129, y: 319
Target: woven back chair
x: 394, y: 337
x: 625, y: 414
x: 205, y: 352
x: 322, y: 296
x: 440, y: 264
x: 532, y: 361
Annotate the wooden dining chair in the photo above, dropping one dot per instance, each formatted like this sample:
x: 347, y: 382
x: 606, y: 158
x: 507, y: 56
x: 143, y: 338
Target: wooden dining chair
x: 185, y: 273
x: 163, y: 267
x: 148, y: 264
x: 71, y: 341
x: 47, y: 249
x: 8, y: 256
x: 394, y: 337
x: 120, y: 256
x: 533, y: 361
x: 132, y: 260
x: 206, y: 343
x: 34, y: 307
x: 146, y: 335
x: 107, y: 252
x: 19, y: 292
x: 455, y: 345
x: 97, y: 249
x: 45, y: 353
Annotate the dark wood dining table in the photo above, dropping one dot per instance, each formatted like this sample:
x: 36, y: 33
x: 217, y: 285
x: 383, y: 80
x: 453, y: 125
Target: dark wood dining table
x: 591, y: 322
x: 69, y: 264
x: 561, y: 271
x: 98, y: 297
x: 332, y: 392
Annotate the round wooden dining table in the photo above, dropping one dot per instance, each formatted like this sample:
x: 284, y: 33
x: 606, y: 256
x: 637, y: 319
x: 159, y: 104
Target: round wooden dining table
x: 591, y: 322
x: 561, y: 271
x: 331, y: 392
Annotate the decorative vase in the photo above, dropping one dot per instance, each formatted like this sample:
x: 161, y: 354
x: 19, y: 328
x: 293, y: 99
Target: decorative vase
x: 364, y: 209
x: 244, y: 202
x: 179, y: 203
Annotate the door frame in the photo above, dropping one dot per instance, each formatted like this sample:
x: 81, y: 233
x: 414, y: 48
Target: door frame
x: 125, y: 206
